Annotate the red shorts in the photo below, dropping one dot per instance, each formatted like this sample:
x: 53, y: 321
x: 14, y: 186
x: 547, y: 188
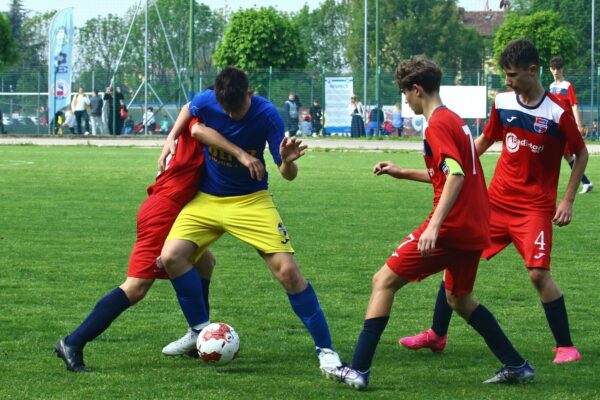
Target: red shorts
x: 460, y: 265
x: 154, y: 220
x: 531, y: 235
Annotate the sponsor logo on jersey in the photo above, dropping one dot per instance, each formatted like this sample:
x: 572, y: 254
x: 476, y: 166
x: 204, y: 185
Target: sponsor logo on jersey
x: 511, y: 119
x: 445, y: 168
x: 540, y: 125
x: 513, y: 144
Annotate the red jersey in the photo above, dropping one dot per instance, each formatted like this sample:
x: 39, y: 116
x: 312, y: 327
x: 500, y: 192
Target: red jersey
x: 467, y: 223
x: 565, y: 91
x: 534, y: 138
x: 180, y: 180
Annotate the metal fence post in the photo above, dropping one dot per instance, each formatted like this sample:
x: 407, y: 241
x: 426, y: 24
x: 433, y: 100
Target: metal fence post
x: 270, y: 82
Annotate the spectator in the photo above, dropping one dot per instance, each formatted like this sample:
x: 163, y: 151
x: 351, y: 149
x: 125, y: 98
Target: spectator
x: 78, y: 106
x: 376, y: 121
x: 2, y: 123
x: 306, y: 126
x: 594, y: 131
x: 96, y: 113
x: 108, y: 110
x: 316, y: 115
x: 165, y: 125
x: 128, y: 126
x: 59, y: 118
x: 121, y: 110
x: 356, y: 110
x: 70, y: 120
x: 291, y: 115
x: 397, y: 120
x: 149, y: 121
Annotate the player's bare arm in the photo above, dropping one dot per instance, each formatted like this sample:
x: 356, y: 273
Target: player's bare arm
x: 211, y: 137
x: 564, y: 211
x: 452, y: 188
x: 170, y: 146
x: 290, y: 150
x: 391, y: 169
x: 482, y: 143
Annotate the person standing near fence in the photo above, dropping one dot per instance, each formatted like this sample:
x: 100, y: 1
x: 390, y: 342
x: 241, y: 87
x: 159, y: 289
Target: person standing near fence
x: 107, y: 109
x: 291, y: 115
x: 316, y: 114
x: 78, y: 105
x: 565, y: 91
x: 356, y: 110
x: 96, y: 113
x: 121, y: 111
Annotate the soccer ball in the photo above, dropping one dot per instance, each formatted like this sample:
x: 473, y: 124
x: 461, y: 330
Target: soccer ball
x: 218, y: 344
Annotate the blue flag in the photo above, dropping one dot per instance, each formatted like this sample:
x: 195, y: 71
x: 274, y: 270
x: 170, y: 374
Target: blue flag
x: 60, y: 62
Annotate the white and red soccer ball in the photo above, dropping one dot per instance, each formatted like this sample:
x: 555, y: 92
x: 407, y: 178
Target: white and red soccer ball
x: 218, y: 344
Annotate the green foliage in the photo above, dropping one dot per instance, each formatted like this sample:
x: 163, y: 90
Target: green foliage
x: 324, y: 32
x: 70, y: 226
x: 545, y: 29
x: 8, y: 51
x: 261, y: 38
x: 410, y: 27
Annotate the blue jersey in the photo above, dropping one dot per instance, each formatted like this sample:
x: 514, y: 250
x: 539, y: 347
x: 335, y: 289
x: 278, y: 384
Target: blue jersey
x: 262, y: 124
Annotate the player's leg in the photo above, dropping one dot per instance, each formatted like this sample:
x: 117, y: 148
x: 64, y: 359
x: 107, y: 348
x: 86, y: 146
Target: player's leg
x: 304, y: 302
x: 460, y: 278
x: 533, y: 240
x: 190, y: 235
x: 588, y: 186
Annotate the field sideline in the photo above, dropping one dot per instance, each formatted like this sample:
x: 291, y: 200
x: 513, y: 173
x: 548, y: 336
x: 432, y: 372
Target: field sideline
x: 68, y: 224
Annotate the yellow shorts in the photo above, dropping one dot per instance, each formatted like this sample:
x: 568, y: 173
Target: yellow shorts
x: 252, y: 218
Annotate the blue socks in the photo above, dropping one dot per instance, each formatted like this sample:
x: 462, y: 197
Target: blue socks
x: 107, y: 309
x: 584, y: 179
x: 486, y: 325
x: 367, y: 343
x: 306, y: 306
x: 188, y: 288
x: 442, y: 312
x: 556, y: 314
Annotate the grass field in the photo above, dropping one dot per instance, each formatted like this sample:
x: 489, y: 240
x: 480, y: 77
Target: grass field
x: 67, y: 225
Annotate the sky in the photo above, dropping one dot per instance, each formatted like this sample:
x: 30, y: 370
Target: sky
x: 86, y: 9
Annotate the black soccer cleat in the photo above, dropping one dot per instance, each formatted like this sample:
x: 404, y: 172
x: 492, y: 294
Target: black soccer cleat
x: 71, y: 355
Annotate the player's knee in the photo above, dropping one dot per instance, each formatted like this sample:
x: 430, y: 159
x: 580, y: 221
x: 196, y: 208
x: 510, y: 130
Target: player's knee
x: 136, y: 289
x: 539, y: 277
x: 290, y: 277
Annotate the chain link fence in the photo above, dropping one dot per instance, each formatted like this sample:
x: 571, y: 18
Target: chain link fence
x: 24, y: 96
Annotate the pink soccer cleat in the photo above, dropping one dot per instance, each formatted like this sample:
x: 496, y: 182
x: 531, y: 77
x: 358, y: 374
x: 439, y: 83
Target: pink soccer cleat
x: 427, y: 339
x: 566, y: 354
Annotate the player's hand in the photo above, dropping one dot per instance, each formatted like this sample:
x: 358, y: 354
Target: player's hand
x: 387, y: 168
x: 427, y: 241
x: 291, y: 149
x: 564, y: 213
x: 168, y: 150
x: 254, y: 165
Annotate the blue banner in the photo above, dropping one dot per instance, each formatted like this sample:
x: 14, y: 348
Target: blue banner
x: 60, y: 61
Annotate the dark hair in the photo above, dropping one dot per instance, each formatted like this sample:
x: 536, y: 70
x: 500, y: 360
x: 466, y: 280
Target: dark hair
x: 231, y: 88
x: 520, y: 53
x: 419, y: 70
x: 557, y: 62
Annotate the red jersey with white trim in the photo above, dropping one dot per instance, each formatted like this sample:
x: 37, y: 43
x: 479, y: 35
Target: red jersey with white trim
x: 180, y: 180
x: 565, y: 91
x: 534, y: 138
x: 467, y: 223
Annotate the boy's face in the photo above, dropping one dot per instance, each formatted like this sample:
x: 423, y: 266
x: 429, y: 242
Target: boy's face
x: 412, y: 98
x: 557, y: 73
x: 520, y: 80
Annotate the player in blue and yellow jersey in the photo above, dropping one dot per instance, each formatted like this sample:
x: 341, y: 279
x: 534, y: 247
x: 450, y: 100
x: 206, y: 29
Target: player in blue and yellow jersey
x: 175, y: 185
x: 231, y: 201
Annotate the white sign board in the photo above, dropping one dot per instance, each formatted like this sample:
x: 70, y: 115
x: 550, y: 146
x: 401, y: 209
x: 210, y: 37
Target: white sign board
x: 337, y: 97
x: 466, y: 101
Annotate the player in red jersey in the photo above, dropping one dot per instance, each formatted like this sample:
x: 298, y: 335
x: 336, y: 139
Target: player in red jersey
x: 564, y: 90
x: 451, y: 239
x: 173, y: 189
x: 534, y: 127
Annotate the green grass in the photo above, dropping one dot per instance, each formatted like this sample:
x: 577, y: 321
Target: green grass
x: 68, y: 224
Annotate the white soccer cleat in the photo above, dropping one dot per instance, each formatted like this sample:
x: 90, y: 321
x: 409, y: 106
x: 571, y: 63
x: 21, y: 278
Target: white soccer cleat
x: 587, y: 187
x: 328, y: 360
x: 349, y: 376
x: 183, y: 345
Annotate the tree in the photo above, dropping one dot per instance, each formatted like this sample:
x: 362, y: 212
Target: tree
x: 324, y: 33
x: 260, y: 38
x: 544, y: 29
x: 8, y: 52
x: 409, y: 27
